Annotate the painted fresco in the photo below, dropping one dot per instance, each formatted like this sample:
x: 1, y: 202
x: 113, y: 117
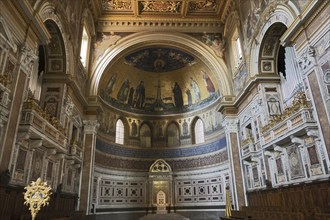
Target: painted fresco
x: 240, y: 80
x: 180, y: 84
x: 251, y: 12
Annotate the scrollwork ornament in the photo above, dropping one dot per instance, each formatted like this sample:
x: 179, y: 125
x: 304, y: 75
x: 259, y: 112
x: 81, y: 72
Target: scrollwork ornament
x: 37, y: 195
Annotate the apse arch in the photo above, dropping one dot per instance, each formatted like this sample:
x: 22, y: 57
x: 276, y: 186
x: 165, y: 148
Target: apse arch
x: 281, y: 14
x: 141, y: 40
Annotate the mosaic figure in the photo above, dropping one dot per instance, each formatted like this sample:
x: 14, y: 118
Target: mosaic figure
x: 111, y: 84
x: 208, y: 83
x: 123, y: 92
x: 195, y: 88
x: 178, y: 100
x: 140, y: 95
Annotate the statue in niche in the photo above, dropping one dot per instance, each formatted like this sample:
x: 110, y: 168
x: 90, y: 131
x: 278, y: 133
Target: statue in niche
x: 196, y: 90
x: 177, y: 95
x: 111, y: 84
x: 208, y: 83
x: 189, y: 97
x: 130, y: 97
x: 185, y: 128
x: 123, y: 92
x: 140, y: 95
x: 134, y: 128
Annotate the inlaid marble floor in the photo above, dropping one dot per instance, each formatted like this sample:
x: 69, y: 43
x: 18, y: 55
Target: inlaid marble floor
x: 168, y: 216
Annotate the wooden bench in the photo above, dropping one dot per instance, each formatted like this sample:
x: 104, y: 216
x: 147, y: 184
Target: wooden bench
x: 322, y: 216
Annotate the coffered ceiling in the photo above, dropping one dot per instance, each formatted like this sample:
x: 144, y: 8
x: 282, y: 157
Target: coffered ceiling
x: 157, y: 15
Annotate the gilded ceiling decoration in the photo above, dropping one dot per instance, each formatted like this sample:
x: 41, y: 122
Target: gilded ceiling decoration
x: 183, y: 15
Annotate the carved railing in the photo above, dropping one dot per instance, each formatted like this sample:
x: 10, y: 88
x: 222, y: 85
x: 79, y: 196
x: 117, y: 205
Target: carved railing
x: 247, y: 150
x: 296, y: 121
x: 294, y: 118
x: 34, y: 116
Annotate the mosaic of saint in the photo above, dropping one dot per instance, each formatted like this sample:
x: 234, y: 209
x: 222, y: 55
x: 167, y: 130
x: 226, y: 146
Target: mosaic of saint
x: 159, y: 81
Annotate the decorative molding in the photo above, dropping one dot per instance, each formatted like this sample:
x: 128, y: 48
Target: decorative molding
x: 163, y: 6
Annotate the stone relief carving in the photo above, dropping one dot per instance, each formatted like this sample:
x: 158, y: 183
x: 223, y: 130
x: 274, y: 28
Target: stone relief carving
x: 27, y: 57
x: 307, y: 58
x: 68, y: 106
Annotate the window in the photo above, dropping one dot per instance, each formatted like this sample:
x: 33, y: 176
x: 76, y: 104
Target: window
x: 237, y: 49
x: 84, y: 47
x: 119, y: 132
x: 145, y: 136
x: 173, y: 135
x: 199, y: 132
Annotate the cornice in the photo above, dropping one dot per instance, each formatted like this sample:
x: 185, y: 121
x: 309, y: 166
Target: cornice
x: 34, y: 20
x: 304, y: 19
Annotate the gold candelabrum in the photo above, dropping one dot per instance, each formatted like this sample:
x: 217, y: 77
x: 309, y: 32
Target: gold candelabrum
x: 37, y: 195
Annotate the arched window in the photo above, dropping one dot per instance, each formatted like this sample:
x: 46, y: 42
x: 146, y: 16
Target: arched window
x: 237, y: 50
x: 199, y: 132
x: 120, y: 131
x: 145, y: 136
x: 84, y: 51
x: 173, y: 135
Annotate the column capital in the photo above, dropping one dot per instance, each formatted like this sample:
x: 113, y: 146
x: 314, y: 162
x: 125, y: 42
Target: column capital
x: 90, y: 126
x: 230, y: 124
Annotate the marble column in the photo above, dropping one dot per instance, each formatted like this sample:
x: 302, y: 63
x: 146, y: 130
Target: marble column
x: 238, y: 187
x: 90, y: 130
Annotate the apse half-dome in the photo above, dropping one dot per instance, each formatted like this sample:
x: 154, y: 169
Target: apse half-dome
x: 159, y: 80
